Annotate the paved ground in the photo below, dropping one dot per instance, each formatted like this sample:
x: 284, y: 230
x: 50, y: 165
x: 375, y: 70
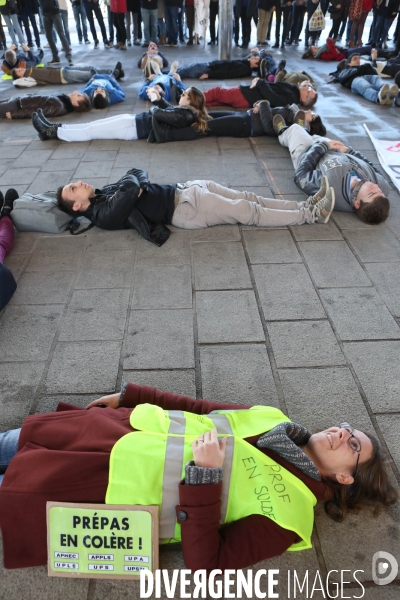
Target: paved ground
x: 304, y: 318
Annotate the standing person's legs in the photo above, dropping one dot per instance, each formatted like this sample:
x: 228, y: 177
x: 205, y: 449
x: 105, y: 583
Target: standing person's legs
x: 8, y: 448
x: 119, y: 23
x: 153, y: 25
x: 100, y: 20
x: 146, y: 26
x: 76, y: 13
x: 17, y: 28
x: 218, y: 96
x: 58, y: 26
x: 213, y: 17
x: 206, y: 203
x: 7, y: 281
x: 128, y: 27
x: 171, y: 21
x: 110, y: 24
x: 25, y: 20
x: 35, y: 28
x: 120, y: 127
x: 298, y: 141
x: 48, y: 28
x: 10, y: 29
x: 64, y: 18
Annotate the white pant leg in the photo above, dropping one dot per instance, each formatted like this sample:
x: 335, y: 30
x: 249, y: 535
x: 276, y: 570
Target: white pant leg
x: 120, y: 127
x: 298, y: 140
x: 199, y: 207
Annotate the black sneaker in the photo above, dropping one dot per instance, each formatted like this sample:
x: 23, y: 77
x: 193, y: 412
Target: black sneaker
x: 118, y: 66
x: 55, y: 61
x: 281, y: 65
x: 264, y: 67
x: 8, y: 202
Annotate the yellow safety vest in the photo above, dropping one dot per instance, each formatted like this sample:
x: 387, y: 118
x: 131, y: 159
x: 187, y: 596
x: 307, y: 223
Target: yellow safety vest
x: 147, y: 465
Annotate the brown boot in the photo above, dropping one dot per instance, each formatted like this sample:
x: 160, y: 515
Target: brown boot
x: 163, y: 39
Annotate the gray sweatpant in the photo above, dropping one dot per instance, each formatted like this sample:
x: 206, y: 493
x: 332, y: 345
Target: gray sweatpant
x: 206, y: 203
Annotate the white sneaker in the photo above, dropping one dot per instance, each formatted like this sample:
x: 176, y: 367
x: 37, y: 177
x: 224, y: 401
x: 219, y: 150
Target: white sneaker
x: 384, y: 94
x: 323, y: 209
x: 174, y: 67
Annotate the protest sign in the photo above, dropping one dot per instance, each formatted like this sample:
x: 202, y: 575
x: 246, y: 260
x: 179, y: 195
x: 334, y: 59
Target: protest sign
x: 388, y: 152
x: 101, y: 540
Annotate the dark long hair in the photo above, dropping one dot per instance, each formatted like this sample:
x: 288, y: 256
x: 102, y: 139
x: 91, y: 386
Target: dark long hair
x: 198, y: 106
x: 371, y: 487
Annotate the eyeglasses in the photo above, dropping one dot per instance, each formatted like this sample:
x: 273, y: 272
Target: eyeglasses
x: 353, y: 442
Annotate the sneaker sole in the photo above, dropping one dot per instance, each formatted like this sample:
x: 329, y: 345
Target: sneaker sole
x: 325, y: 213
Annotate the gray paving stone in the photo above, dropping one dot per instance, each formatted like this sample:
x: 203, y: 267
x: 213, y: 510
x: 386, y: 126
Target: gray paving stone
x: 87, y: 170
x: 378, y: 245
x: 367, y: 537
x: 387, y: 277
x: 359, y: 314
x: 70, y: 150
x: 323, y: 398
x: 271, y: 246
x: 25, y: 241
x: 18, y: 384
x: 251, y: 175
x: 28, y: 332
x: 94, y: 154
x: 392, y: 592
x: 179, y: 381
x: 160, y: 339
x: 304, y: 344
x: 64, y: 164
x: 48, y: 404
x: 10, y: 150
x: 94, y: 316
x: 228, y: 317
x: 286, y: 292
x: 106, y: 270
x: 12, y: 176
x: 389, y: 426
x: 43, y: 288
x: 57, y: 253
x: 16, y: 263
x: 346, y: 221
x: 84, y: 367
x: 377, y: 367
x: 219, y: 233
x: 168, y: 286
x: 49, y: 181
x: 305, y: 233
x: 332, y: 264
x: 33, y: 583
x: 176, y: 251
x: 100, y: 240
x: 35, y: 158
x: 239, y: 374
x: 220, y: 266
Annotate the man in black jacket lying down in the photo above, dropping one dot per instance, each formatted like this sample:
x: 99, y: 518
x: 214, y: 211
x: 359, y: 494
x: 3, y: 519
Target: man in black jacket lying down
x: 135, y: 202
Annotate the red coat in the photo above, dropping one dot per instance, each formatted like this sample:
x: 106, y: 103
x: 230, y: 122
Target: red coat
x: 118, y: 6
x: 332, y: 52
x: 64, y: 456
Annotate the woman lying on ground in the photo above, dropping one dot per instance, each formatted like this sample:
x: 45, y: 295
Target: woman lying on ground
x: 329, y: 51
x: 78, y: 455
x: 253, y: 123
x: 190, y: 112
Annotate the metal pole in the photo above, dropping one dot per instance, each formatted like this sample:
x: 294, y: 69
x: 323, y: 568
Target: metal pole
x: 225, y: 22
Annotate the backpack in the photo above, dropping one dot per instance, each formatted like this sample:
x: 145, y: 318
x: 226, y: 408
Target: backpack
x: 39, y: 212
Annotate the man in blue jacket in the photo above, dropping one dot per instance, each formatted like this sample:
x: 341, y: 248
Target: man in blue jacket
x: 103, y: 90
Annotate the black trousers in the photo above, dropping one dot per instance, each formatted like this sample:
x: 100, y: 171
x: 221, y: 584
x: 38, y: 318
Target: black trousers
x: 93, y: 7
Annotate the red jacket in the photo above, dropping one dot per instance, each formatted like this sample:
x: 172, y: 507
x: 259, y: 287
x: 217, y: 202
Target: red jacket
x: 64, y: 456
x: 118, y: 6
x: 332, y: 52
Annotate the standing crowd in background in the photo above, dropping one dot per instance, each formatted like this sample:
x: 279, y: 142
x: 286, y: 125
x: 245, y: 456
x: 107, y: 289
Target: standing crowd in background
x: 123, y: 23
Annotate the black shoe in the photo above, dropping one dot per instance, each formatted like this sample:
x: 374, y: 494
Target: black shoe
x: 116, y: 74
x: 55, y: 61
x: 118, y: 66
x: 281, y: 65
x: 282, y: 45
x: 43, y: 118
x: 211, y: 43
x: 151, y: 139
x: 45, y: 132
x: 7, y: 203
x: 276, y: 45
x: 397, y: 79
x: 264, y: 67
x: 397, y: 101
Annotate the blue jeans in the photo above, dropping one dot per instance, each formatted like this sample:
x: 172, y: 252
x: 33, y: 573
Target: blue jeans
x: 149, y: 18
x: 381, y: 29
x: 193, y: 71
x: 64, y: 16
x: 161, y: 26
x: 8, y: 448
x: 367, y: 86
x: 7, y: 285
x: 80, y: 15
x: 171, y: 22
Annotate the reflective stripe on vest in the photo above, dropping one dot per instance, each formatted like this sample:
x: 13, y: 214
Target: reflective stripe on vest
x: 146, y: 466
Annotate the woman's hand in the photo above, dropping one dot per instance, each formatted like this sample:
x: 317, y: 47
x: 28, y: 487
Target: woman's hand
x: 111, y: 401
x: 208, y: 451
